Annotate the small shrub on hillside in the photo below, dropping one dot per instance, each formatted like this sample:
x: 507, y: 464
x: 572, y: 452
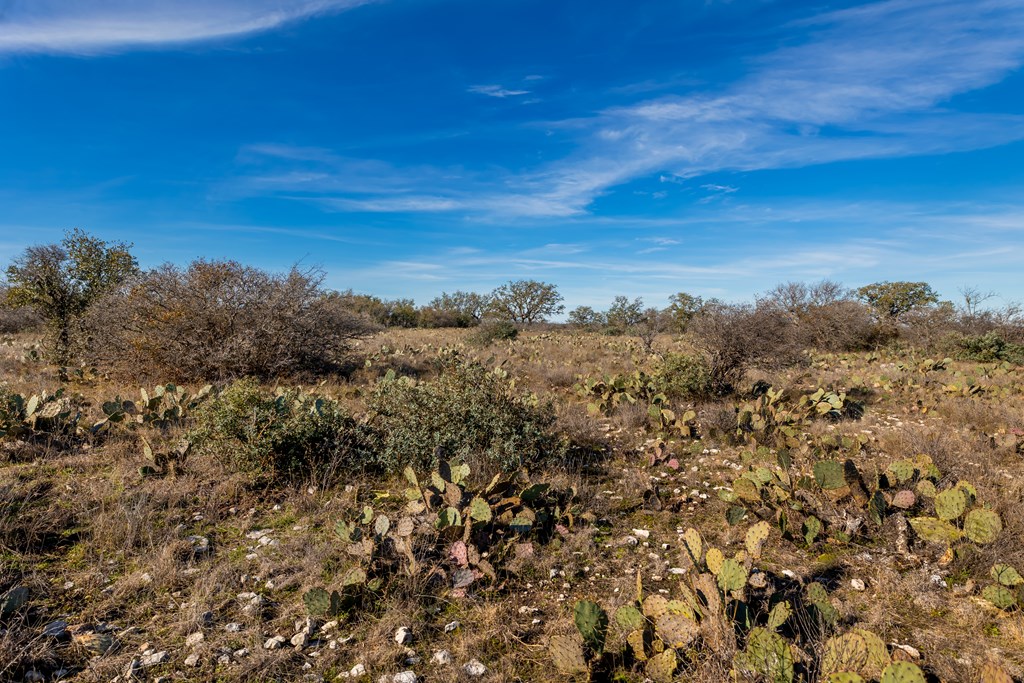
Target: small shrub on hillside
x: 987, y: 348
x: 277, y: 436
x: 15, y: 320
x: 467, y: 413
x: 492, y: 331
x: 220, y: 320
x: 682, y: 375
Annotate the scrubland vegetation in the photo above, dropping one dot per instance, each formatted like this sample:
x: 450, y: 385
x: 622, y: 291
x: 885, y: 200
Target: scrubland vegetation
x: 209, y: 472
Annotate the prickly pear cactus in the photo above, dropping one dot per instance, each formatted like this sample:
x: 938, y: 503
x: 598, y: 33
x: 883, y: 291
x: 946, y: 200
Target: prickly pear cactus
x: 845, y: 677
x: 950, y: 504
x: 818, y: 598
x: 755, y: 539
x: 567, y: 655
x: 982, y: 525
x: 318, y: 602
x: 676, y: 630
x: 993, y: 673
x: 479, y: 510
x: 661, y: 667
x: 629, y: 618
x: 829, y: 474
x: 935, y: 530
x: 592, y: 623
x: 637, y: 641
x: 858, y: 651
x: 694, y: 545
x: 779, y: 615
x: 902, y: 672
x: 999, y: 596
x: 1007, y: 575
x: 768, y: 655
x: 714, y: 560
x: 732, y: 576
x: 655, y: 606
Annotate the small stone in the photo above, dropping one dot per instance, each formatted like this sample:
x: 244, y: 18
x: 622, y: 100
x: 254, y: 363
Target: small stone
x: 451, y: 626
x: 195, y: 639
x: 200, y: 544
x: 403, y: 636
x: 631, y: 541
x: 639, y: 533
x: 154, y: 659
x: 33, y: 676
x: 192, y: 660
x: 858, y: 585
x: 233, y: 627
x: 357, y: 671
x: 474, y: 668
x: 405, y: 677
x: 905, y: 652
x: 300, y: 640
x: 441, y: 658
x: 274, y: 643
x: 243, y: 652
x: 55, y: 629
x: 224, y: 659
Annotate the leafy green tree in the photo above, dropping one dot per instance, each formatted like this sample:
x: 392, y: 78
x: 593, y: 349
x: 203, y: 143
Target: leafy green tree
x: 585, y: 317
x: 458, y: 309
x: 526, y: 301
x: 60, y: 281
x: 893, y: 300
x: 624, y: 314
x: 682, y: 308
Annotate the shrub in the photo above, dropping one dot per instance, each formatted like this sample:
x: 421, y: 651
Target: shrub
x: 15, y: 320
x: 492, y: 331
x: 285, y: 435
x: 987, y: 348
x: 219, y: 320
x: 466, y: 413
x: 683, y: 375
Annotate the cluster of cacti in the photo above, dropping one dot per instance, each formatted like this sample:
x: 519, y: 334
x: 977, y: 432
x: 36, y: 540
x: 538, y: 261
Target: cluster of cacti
x: 449, y: 529
x: 958, y: 515
x: 669, y: 422
x: 1008, y: 590
x: 604, y: 395
x: 773, y: 415
x: 165, y: 460
x: 39, y: 415
x: 165, y: 406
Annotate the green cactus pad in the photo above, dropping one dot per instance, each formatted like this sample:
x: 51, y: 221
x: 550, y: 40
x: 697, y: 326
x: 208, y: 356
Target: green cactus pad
x: 694, y: 545
x: 779, y: 615
x: 1006, y: 575
x: 901, y: 471
x: 629, y: 618
x: 999, y: 596
x: 817, y: 596
x: 950, y: 504
x: 732, y: 576
x: 479, y: 510
x: 903, y: 672
x: 592, y: 623
x: 935, y: 530
x: 660, y: 668
x: 755, y: 539
x: 714, y: 559
x: 845, y: 677
x: 829, y: 474
x: 925, y: 489
x: 769, y: 655
x: 567, y: 655
x: 676, y: 630
x: 982, y: 526
x: 318, y: 602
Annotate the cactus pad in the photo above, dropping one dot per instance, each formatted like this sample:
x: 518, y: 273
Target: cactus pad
x: 767, y: 654
x: 629, y: 618
x: 999, y: 596
x: 318, y: 602
x: 676, y: 630
x: 829, y: 474
x: 950, y: 504
x: 982, y: 526
x: 694, y: 546
x: 655, y: 606
x: 903, y: 672
x: 1006, y: 575
x: 845, y: 677
x: 779, y: 615
x: 935, y: 530
x: 592, y: 623
x: 567, y: 655
x: 755, y: 539
x: 925, y: 489
x: 993, y: 673
x: 637, y: 641
x: 479, y: 510
x: 901, y: 471
x: 732, y: 576
x: 905, y: 499
x: 661, y: 667
x: 714, y: 560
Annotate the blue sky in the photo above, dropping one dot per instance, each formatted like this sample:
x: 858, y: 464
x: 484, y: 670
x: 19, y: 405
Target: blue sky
x: 411, y: 147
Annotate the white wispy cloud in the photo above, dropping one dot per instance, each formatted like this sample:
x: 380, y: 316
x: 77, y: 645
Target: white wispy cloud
x: 88, y: 27
x: 870, y: 82
x: 496, y: 91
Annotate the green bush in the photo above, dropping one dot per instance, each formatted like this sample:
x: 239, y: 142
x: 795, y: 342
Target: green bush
x: 987, y: 348
x: 492, y: 331
x: 467, y: 413
x: 682, y: 375
x: 278, y: 436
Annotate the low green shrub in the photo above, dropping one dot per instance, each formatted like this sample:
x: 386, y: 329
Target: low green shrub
x: 682, y: 375
x: 492, y: 331
x: 467, y: 413
x: 278, y: 436
x: 987, y: 348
